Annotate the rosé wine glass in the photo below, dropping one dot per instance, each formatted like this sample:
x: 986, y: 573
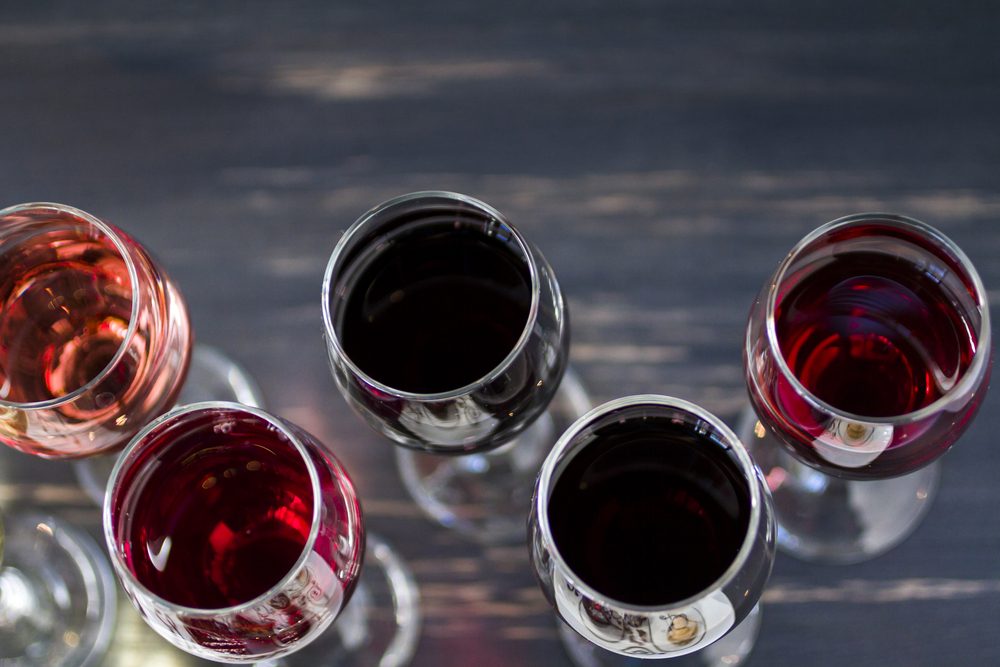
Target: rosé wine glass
x: 239, y: 538
x: 867, y: 356
x: 94, y: 337
x: 652, y: 536
x: 94, y: 341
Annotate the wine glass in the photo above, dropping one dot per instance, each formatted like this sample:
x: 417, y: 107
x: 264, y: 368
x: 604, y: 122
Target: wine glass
x: 57, y: 595
x: 867, y: 355
x: 94, y: 340
x: 652, y: 535
x: 448, y: 333
x: 239, y: 538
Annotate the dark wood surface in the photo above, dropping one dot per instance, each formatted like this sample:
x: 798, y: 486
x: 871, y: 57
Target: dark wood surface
x: 663, y: 155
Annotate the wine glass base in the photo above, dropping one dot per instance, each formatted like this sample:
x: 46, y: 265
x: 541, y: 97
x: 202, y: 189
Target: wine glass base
x: 380, y: 626
x: 826, y: 519
x: 487, y: 496
x: 57, y: 596
x: 212, y: 376
x: 732, y: 649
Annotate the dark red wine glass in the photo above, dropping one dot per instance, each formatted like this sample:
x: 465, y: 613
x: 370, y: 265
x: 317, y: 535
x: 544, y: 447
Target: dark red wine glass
x: 867, y: 356
x: 448, y: 333
x: 652, y: 536
x: 237, y: 535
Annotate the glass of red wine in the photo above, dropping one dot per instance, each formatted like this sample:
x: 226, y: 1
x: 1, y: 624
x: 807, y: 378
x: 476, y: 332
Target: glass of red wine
x: 867, y: 356
x: 95, y: 340
x: 652, y: 536
x: 239, y: 538
x: 448, y: 333
x: 57, y: 594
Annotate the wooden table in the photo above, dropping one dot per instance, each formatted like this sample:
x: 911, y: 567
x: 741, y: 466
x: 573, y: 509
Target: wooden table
x: 663, y: 155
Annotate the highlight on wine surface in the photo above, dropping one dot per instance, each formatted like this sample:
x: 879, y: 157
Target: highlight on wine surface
x: 446, y: 330
x: 236, y: 534
x: 94, y: 338
x: 651, y: 528
x: 868, y: 353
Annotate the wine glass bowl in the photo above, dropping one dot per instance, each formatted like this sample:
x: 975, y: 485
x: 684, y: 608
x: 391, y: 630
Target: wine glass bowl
x: 446, y: 330
x: 235, y: 534
x: 651, y: 531
x: 868, y: 353
x: 94, y: 337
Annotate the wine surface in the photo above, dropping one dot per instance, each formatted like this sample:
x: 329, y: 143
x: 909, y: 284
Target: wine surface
x: 873, y: 335
x: 436, y: 309
x: 65, y: 306
x: 219, y: 517
x: 650, y: 512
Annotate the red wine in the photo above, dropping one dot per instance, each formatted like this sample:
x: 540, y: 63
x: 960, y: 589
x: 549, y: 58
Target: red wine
x: 436, y: 309
x: 873, y: 337
x: 650, y: 512
x: 216, y: 507
x: 239, y: 513
x: 65, y: 307
x: 879, y: 322
x: 222, y: 517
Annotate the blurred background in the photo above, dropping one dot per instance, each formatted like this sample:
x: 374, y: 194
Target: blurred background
x: 663, y: 155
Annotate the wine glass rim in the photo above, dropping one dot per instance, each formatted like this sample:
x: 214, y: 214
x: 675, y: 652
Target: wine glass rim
x: 728, y: 439
x: 971, y: 375
x: 205, y: 406
x: 331, y: 332
x: 133, y: 324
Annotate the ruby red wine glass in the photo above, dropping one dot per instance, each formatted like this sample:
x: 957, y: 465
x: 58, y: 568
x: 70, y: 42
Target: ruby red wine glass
x: 652, y: 535
x: 234, y: 533
x: 94, y: 337
x: 867, y: 356
x: 448, y: 333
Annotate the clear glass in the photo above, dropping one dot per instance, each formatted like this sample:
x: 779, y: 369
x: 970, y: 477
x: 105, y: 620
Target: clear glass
x: 94, y: 337
x: 718, y: 624
x: 315, y: 589
x: 484, y: 495
x: 57, y: 595
x: 850, y: 484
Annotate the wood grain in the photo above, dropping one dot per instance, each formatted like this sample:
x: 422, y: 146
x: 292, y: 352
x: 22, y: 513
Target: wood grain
x: 663, y: 156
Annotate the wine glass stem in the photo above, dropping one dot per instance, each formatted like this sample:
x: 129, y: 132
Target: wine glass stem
x: 486, y: 495
x: 827, y: 519
x: 23, y: 615
x: 379, y: 627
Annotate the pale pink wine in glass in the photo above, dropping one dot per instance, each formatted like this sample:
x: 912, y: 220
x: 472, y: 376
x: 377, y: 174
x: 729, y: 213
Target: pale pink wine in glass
x: 94, y: 337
